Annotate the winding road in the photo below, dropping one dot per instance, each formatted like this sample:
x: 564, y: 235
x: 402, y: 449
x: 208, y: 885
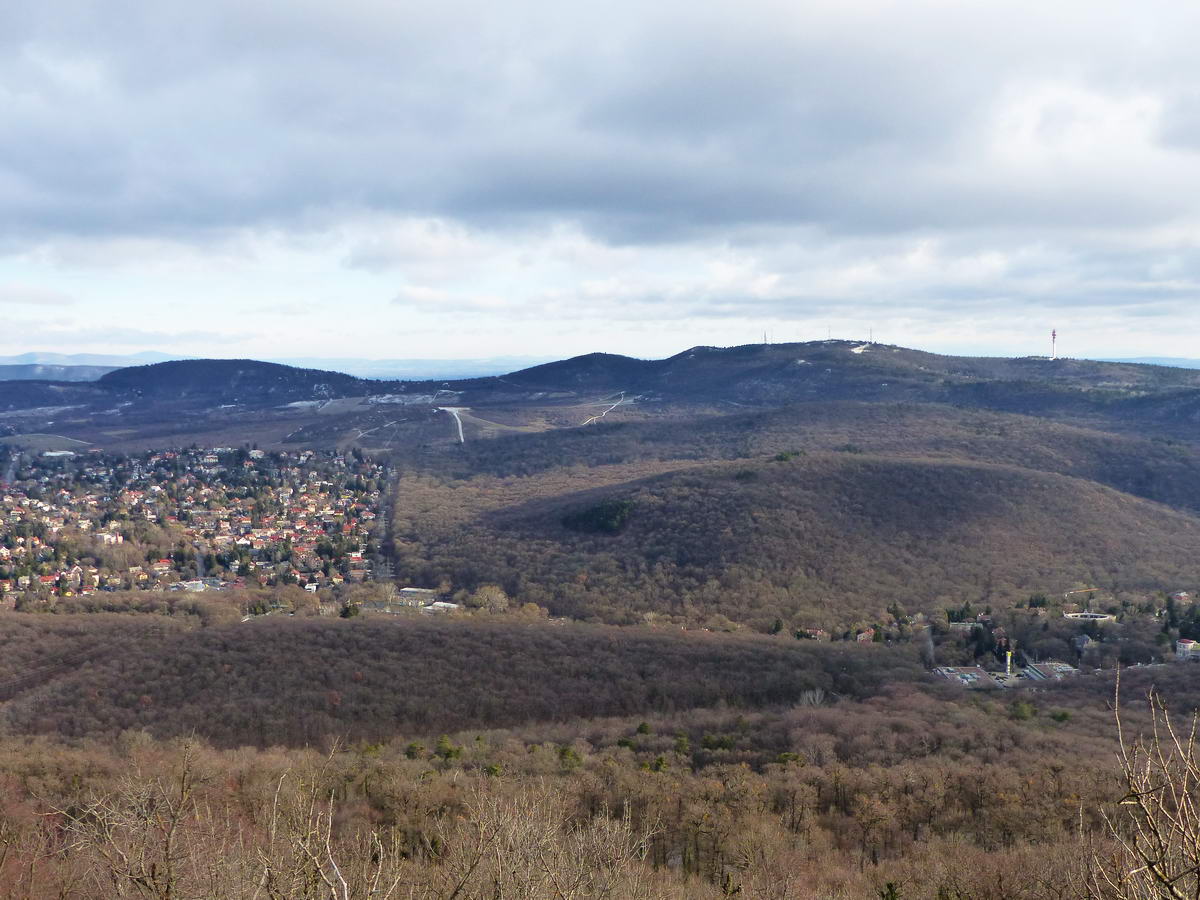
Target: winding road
x: 590, y: 419
x: 454, y: 411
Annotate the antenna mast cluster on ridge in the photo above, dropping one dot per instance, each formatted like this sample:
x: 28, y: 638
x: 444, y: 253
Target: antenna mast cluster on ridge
x: 1054, y: 344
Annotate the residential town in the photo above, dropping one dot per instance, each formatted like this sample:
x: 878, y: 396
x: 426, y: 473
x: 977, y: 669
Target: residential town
x: 195, y: 520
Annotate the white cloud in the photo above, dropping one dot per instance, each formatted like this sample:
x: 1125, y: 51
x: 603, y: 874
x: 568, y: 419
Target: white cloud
x: 28, y: 295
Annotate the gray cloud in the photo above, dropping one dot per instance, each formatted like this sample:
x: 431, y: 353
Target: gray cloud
x: 1042, y: 154
x: 640, y: 126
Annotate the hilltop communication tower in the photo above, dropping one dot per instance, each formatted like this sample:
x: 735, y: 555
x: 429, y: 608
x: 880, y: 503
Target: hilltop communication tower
x: 1054, y: 345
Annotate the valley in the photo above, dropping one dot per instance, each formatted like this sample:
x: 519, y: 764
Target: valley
x: 818, y: 500
x: 714, y: 591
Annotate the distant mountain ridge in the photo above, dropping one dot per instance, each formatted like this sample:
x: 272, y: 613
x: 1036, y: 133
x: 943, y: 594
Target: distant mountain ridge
x: 46, y: 372
x: 1179, y: 362
x: 111, y: 361
x: 754, y: 367
x: 78, y: 366
x: 1123, y: 395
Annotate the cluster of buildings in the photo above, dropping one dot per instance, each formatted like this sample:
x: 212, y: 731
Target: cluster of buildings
x: 193, y: 519
x: 976, y: 677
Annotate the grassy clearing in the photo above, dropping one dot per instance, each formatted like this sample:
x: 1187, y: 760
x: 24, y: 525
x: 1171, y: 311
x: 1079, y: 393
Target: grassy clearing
x: 41, y: 443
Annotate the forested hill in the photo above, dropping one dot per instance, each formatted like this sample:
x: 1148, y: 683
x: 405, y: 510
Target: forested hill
x: 826, y: 539
x: 229, y: 380
x: 763, y: 368
x: 1155, y: 468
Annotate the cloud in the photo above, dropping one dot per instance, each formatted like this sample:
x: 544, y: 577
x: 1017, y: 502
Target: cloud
x: 618, y: 163
x: 26, y: 295
x: 59, y: 333
x: 419, y: 242
x: 641, y: 125
x: 153, y: 337
x: 427, y: 298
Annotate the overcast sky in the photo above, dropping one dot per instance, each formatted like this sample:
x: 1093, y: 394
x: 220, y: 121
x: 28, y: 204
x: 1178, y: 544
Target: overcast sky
x: 387, y: 179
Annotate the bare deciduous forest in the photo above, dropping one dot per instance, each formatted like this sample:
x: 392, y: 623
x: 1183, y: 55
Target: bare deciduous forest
x: 626, y: 703
x: 832, y: 772
x: 306, y: 681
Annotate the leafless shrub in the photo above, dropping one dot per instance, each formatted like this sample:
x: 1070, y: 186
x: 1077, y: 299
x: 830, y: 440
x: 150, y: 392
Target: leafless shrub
x: 1156, y: 829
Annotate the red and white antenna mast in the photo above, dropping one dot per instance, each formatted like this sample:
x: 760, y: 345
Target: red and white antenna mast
x: 1054, y: 345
